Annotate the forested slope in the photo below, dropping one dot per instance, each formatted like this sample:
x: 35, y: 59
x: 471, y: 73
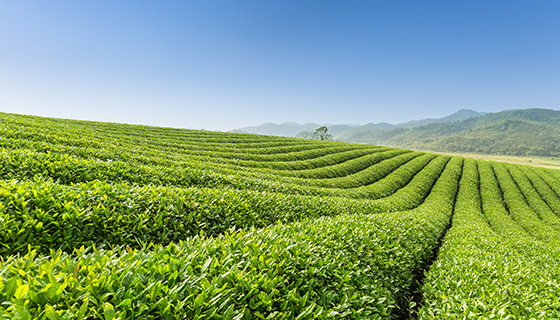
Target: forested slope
x: 530, y: 132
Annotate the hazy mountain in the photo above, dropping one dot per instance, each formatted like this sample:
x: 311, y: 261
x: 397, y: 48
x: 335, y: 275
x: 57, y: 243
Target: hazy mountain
x: 340, y: 131
x: 528, y: 132
x: 287, y: 129
x: 462, y: 114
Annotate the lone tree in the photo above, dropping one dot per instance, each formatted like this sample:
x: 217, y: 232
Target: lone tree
x: 321, y: 134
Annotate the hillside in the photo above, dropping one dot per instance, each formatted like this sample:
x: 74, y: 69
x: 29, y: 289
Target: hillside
x: 530, y: 132
x: 115, y: 221
x: 507, y: 137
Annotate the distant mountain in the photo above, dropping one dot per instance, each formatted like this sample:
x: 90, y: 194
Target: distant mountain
x: 528, y: 132
x: 340, y: 131
x: 287, y: 129
x: 462, y: 114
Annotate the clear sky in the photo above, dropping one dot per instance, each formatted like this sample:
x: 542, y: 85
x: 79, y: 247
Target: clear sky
x: 224, y: 64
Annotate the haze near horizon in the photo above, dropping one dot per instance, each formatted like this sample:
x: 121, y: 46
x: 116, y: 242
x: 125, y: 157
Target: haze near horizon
x: 221, y: 65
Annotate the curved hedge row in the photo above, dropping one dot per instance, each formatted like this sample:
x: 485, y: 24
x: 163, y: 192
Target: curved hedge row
x: 493, y: 208
x: 480, y: 274
x: 325, y: 268
x: 520, y: 210
x: 68, y: 169
x: 44, y: 215
x: 535, y: 199
x: 546, y: 192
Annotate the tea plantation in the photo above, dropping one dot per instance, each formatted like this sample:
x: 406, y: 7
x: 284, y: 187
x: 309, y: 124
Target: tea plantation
x: 114, y: 221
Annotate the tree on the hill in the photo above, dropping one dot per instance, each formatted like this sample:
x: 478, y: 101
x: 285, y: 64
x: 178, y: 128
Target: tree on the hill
x: 322, y: 134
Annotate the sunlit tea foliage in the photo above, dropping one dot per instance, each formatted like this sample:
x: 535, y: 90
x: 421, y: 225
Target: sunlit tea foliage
x: 115, y: 221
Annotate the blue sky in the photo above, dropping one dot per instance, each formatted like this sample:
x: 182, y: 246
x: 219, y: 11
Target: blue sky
x: 219, y: 65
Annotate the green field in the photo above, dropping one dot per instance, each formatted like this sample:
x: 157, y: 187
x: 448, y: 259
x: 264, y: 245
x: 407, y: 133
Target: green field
x: 114, y: 221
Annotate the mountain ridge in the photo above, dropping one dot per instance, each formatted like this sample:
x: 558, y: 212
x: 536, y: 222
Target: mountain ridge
x: 291, y: 128
x: 524, y: 132
x: 517, y: 132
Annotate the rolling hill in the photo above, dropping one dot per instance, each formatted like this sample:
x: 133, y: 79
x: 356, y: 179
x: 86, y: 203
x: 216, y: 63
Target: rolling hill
x: 115, y: 221
x: 529, y: 132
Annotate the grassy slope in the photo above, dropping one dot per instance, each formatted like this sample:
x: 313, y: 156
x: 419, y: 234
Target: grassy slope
x: 510, y: 137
